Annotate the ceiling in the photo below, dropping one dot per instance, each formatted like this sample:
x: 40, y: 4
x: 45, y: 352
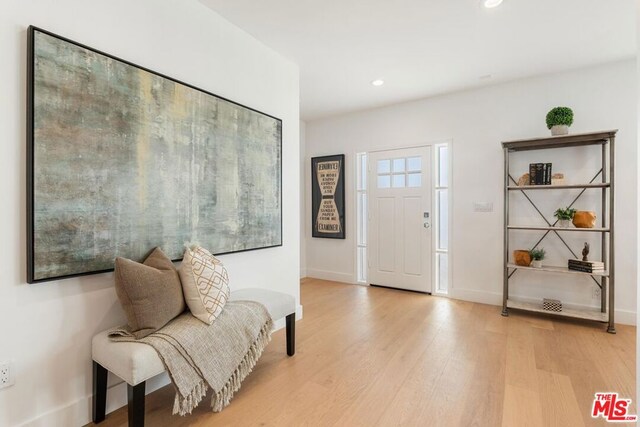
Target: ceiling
x: 422, y: 48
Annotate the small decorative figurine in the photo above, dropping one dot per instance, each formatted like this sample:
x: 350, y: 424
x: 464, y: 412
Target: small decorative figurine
x: 585, y: 252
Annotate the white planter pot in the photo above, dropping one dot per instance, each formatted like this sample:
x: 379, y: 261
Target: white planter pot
x: 558, y: 130
x: 536, y: 264
x: 565, y: 223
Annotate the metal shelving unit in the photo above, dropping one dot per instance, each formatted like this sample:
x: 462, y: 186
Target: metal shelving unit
x: 602, y: 181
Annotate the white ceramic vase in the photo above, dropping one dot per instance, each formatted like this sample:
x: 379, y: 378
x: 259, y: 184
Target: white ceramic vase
x: 558, y: 130
x: 565, y: 223
x: 536, y: 263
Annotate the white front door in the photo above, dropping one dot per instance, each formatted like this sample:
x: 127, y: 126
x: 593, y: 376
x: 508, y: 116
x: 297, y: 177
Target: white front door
x: 399, y: 232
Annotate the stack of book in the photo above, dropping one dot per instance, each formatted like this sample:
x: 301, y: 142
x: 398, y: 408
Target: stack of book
x: 540, y: 174
x: 586, y: 266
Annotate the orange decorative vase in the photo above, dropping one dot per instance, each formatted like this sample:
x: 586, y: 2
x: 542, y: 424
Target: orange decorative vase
x: 521, y: 257
x: 584, y: 219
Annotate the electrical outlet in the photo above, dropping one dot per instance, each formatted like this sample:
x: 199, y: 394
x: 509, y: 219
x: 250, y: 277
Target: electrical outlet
x: 596, y: 293
x: 6, y: 375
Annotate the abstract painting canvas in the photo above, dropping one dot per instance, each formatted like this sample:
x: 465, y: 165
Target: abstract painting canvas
x: 122, y: 159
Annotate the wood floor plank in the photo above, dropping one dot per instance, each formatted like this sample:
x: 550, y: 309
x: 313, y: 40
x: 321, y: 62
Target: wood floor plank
x: 559, y: 404
x: 521, y: 407
x: 371, y: 356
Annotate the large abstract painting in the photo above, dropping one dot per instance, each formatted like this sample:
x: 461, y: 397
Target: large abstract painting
x: 122, y: 159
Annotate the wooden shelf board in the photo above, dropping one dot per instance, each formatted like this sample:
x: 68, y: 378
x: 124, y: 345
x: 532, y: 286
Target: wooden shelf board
x: 566, y: 312
x: 563, y: 141
x: 556, y: 269
x: 558, y: 187
x: 540, y: 228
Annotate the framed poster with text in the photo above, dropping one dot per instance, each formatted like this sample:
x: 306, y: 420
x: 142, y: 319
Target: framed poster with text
x: 327, y: 196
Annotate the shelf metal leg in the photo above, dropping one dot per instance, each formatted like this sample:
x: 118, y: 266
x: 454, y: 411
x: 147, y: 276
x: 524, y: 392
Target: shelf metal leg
x: 505, y: 277
x: 612, y: 259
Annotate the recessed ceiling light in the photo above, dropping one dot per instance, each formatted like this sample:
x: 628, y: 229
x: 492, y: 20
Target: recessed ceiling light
x: 491, y: 3
x: 377, y: 82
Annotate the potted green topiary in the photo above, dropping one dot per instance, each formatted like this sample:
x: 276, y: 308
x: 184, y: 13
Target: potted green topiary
x: 564, y: 216
x: 559, y: 119
x: 537, y: 255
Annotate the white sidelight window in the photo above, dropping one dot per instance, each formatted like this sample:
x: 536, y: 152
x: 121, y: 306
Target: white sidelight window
x: 442, y: 218
x: 361, y: 220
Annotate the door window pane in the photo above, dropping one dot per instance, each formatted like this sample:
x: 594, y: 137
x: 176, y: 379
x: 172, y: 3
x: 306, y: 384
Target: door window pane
x: 384, y: 166
x: 398, y: 165
x: 364, y: 219
x: 384, y: 181
x: 443, y: 166
x: 442, y: 273
x: 398, y: 181
x: 443, y: 219
x: 414, y: 164
x: 361, y: 212
x: 414, y: 180
x: 362, y: 264
x: 363, y: 171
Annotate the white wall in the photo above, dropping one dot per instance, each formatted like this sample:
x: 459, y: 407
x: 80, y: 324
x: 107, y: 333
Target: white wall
x: 602, y: 97
x: 638, y: 201
x: 46, y: 328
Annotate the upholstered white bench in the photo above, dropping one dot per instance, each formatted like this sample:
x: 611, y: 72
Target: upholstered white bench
x: 136, y: 363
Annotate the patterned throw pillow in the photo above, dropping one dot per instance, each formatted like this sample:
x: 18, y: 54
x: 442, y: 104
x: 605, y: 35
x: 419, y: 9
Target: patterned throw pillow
x: 205, y: 284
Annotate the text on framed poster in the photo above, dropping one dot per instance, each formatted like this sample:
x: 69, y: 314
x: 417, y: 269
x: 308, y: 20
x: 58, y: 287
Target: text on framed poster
x: 327, y: 176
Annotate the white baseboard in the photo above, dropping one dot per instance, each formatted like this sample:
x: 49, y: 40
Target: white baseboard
x: 303, y: 273
x: 471, y: 295
x: 331, y: 275
x: 624, y: 317
x: 79, y: 412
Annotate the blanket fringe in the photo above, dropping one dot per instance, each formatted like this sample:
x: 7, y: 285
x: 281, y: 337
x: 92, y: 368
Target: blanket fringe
x: 184, y: 405
x: 221, y: 398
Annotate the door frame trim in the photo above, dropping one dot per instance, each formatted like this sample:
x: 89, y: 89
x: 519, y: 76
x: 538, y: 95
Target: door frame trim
x: 431, y: 144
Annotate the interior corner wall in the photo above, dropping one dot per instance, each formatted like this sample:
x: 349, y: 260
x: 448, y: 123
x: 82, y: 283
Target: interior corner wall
x: 303, y: 211
x: 46, y: 328
x: 476, y: 121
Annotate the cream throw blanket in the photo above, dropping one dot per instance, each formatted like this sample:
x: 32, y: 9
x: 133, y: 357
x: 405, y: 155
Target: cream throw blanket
x: 199, y: 357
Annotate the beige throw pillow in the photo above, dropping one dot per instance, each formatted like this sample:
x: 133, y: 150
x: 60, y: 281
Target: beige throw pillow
x: 150, y: 293
x: 205, y: 284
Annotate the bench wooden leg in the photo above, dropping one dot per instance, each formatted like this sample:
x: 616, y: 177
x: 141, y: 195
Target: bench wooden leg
x: 99, y: 401
x: 135, y: 395
x: 291, y: 334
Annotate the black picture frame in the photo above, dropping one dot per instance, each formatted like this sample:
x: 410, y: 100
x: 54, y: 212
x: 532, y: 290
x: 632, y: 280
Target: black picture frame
x: 30, y: 153
x: 333, y: 226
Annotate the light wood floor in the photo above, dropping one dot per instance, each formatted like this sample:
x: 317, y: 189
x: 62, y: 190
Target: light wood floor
x: 380, y: 357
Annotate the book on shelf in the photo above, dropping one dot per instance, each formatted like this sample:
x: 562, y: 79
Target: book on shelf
x: 547, y: 174
x: 540, y: 174
x: 586, y: 263
x: 586, y: 266
x: 532, y: 174
x: 586, y: 269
